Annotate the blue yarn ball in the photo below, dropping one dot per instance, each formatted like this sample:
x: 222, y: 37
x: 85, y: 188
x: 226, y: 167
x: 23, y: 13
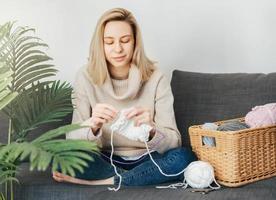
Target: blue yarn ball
x: 233, y: 125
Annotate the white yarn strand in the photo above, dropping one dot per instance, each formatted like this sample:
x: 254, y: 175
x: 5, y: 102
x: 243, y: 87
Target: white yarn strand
x: 161, y: 171
x: 218, y: 185
x: 115, y: 169
x: 173, y: 186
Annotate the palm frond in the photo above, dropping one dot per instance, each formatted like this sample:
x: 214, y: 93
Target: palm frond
x: 68, y: 155
x: 21, y: 51
x: 2, y: 197
x: 7, y: 172
x: 6, y: 96
x: 56, y: 132
x: 40, y: 104
x: 5, y: 28
x: 4, y: 36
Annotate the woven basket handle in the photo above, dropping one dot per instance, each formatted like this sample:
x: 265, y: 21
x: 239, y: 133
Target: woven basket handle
x: 213, y: 134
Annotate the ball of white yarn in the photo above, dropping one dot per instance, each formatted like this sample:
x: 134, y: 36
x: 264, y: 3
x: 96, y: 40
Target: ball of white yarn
x: 199, y: 174
x: 210, y: 126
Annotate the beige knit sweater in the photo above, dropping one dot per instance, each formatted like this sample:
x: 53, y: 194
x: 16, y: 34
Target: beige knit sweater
x: 154, y: 94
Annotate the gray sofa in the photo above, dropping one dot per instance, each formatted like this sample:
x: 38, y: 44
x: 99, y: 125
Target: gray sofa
x: 199, y: 98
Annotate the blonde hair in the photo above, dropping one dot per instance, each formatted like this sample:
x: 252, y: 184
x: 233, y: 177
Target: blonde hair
x: 97, y: 64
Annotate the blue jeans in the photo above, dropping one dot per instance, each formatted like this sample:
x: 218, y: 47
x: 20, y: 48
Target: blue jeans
x: 139, y: 172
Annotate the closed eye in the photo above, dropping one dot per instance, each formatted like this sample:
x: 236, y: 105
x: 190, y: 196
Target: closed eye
x: 125, y: 40
x: 108, y: 42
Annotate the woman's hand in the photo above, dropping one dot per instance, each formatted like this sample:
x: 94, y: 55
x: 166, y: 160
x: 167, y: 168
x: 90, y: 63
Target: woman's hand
x: 101, y: 113
x: 141, y: 115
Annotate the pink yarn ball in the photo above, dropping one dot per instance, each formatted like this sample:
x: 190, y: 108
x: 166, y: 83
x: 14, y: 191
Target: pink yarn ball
x: 260, y: 116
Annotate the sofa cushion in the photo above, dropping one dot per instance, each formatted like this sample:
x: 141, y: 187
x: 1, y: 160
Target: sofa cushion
x: 40, y: 185
x: 209, y: 97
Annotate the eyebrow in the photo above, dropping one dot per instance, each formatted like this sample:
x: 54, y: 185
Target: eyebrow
x: 109, y: 37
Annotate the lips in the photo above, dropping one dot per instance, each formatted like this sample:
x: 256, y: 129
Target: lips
x: 121, y: 58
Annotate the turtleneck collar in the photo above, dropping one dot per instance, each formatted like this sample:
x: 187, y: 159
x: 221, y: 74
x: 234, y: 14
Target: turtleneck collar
x: 119, y: 86
x: 133, y: 84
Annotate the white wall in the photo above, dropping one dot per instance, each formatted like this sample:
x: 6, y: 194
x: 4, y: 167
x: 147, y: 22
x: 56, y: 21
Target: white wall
x: 192, y: 35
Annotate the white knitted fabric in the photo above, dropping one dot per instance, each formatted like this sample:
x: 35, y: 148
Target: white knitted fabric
x: 126, y: 128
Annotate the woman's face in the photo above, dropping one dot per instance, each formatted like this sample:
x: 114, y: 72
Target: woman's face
x: 118, y: 43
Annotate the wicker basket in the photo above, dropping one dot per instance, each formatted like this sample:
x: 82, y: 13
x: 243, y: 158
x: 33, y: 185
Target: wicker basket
x: 239, y: 157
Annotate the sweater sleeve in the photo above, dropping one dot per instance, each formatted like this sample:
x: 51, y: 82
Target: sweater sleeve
x: 166, y: 135
x: 81, y: 113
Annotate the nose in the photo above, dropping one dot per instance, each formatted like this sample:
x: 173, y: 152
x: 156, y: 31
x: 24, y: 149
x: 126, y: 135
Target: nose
x: 118, y: 48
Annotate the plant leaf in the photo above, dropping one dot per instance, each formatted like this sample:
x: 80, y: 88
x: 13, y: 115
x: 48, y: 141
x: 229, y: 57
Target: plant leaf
x: 6, y: 96
x: 20, y: 50
x: 70, y: 155
x: 41, y: 104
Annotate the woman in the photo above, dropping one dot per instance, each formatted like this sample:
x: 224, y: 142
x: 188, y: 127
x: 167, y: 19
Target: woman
x: 119, y: 75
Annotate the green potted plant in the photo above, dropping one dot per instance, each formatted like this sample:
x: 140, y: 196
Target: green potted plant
x: 29, y: 99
